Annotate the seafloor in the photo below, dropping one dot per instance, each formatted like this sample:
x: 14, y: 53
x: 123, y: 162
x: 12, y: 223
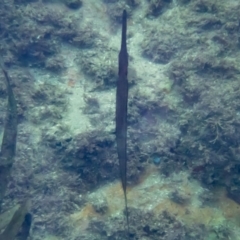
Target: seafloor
x: 183, y: 118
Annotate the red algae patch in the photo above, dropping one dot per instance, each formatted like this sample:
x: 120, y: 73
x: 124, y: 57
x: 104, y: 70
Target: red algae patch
x: 153, y: 194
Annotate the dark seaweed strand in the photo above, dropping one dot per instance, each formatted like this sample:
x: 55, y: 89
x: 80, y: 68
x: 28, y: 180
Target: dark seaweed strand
x: 8, y: 146
x: 121, y: 112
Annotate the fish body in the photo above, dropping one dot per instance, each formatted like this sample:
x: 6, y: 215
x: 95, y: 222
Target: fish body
x: 16, y: 222
x: 8, y: 147
x: 25, y: 228
x: 121, y: 106
x: 121, y: 110
x: 21, y: 217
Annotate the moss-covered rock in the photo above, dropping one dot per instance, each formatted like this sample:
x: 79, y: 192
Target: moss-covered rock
x: 157, y: 7
x: 55, y: 64
x: 100, y: 66
x: 73, y: 4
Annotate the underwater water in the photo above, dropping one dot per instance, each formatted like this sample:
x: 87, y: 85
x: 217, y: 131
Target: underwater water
x: 59, y: 165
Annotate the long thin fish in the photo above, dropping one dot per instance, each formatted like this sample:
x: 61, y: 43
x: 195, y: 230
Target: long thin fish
x: 16, y: 222
x: 121, y: 111
x: 25, y: 228
x: 8, y: 146
x: 8, y: 149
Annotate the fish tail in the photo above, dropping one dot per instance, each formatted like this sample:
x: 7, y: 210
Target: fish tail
x: 127, y: 215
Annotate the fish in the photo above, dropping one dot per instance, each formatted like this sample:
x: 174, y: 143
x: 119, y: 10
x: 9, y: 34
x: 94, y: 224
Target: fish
x: 121, y: 112
x: 26, y: 226
x: 21, y: 218
x: 16, y: 222
x: 8, y: 147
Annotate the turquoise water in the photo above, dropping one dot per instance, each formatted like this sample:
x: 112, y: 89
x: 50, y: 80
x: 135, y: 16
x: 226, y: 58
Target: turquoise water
x: 183, y: 119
